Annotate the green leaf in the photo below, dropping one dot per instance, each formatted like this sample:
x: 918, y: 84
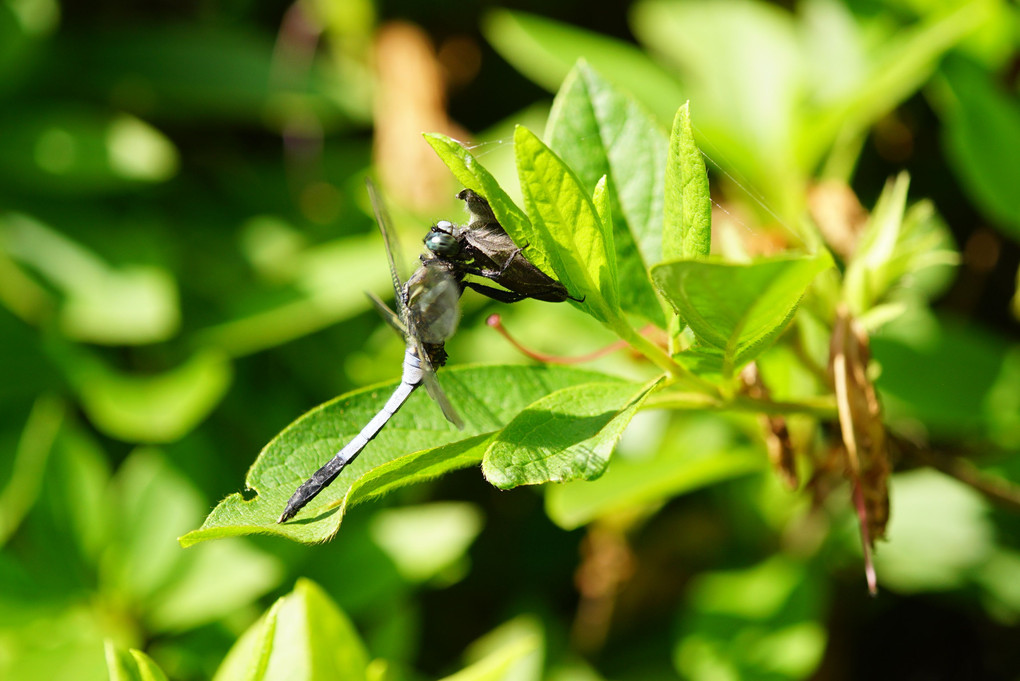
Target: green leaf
x: 981, y: 135
x: 761, y: 623
x: 158, y: 408
x: 900, y: 64
x: 512, y: 652
x: 473, y: 175
x: 702, y: 453
x: 740, y: 62
x: 176, y: 590
x: 130, y: 305
x: 567, y: 226
x: 599, y: 132
x: 303, y: 636
x: 23, y: 28
x: 896, y: 245
x: 133, y: 665
x: 418, y: 444
x: 568, y: 435
x: 73, y: 150
x: 687, y: 215
x: 940, y: 534
x: 34, y: 447
x: 738, y: 309
x: 545, y: 51
x: 424, y: 541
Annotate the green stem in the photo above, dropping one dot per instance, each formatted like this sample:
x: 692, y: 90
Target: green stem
x: 661, y: 359
x: 821, y: 407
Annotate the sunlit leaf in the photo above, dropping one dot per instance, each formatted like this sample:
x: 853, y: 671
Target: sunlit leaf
x: 513, y: 652
x: 546, y: 50
x: 687, y: 215
x: 601, y: 132
x: 418, y: 444
x: 303, y: 636
x: 568, y: 435
x: 736, y: 310
x: 131, y: 304
x: 425, y: 540
x: 131, y: 665
x: 156, y: 408
x: 763, y: 622
x: 579, y: 246
x: 75, y: 150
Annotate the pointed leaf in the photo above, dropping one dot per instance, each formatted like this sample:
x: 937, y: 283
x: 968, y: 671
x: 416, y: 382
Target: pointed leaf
x: 418, y: 444
x: 687, y: 220
x: 568, y: 435
x: 303, y: 636
x: 133, y: 665
x: 599, y: 131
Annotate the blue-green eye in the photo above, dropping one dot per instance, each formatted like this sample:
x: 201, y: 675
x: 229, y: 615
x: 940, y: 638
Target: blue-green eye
x: 440, y: 242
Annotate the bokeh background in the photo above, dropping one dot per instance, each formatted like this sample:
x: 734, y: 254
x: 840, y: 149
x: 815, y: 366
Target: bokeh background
x: 184, y: 242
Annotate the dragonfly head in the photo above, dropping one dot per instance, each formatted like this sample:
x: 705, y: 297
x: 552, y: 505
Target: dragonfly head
x: 440, y: 239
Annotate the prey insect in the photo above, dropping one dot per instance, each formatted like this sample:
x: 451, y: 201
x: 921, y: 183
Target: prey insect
x: 484, y: 249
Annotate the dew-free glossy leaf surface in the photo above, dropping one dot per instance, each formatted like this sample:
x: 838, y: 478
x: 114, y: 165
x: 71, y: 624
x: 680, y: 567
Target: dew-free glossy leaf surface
x: 687, y: 218
x: 417, y: 444
x: 304, y: 636
x: 568, y: 435
x: 735, y: 308
x: 599, y: 131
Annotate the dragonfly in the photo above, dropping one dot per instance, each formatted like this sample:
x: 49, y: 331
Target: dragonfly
x: 483, y: 248
x: 428, y: 309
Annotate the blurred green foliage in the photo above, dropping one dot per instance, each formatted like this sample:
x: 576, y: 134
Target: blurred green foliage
x: 177, y: 285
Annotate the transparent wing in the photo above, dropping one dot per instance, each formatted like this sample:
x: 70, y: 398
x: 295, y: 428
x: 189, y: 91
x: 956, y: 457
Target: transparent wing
x: 433, y: 388
x: 389, y: 315
x: 393, y: 252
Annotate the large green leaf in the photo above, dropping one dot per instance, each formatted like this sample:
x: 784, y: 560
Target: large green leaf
x: 512, y: 652
x: 601, y: 132
x: 763, y: 623
x: 546, y: 50
x: 568, y: 435
x: 981, y: 135
x: 304, y: 636
x: 417, y: 444
x: 568, y: 226
x: 737, y: 309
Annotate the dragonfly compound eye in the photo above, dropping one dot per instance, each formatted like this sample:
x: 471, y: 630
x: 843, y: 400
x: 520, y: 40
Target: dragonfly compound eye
x: 440, y: 242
